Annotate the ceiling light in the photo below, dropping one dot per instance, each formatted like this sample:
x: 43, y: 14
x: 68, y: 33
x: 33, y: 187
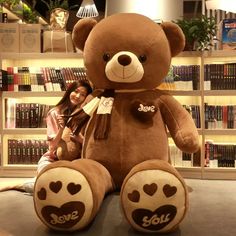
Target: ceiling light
x: 87, y: 9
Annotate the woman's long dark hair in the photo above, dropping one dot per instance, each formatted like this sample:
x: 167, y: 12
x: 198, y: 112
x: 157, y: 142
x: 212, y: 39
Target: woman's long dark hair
x: 64, y: 103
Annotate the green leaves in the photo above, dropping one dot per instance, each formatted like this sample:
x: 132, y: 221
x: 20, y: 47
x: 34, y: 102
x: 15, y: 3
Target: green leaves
x: 198, y: 31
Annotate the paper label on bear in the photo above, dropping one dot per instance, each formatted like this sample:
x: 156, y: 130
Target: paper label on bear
x: 105, y: 105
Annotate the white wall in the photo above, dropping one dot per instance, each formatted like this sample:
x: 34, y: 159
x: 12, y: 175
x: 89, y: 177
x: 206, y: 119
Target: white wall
x: 166, y: 10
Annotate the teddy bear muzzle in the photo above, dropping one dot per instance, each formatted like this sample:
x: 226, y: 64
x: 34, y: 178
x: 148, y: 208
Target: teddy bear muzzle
x: 124, y: 67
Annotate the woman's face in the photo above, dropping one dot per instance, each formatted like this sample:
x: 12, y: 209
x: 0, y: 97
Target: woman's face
x: 78, y: 96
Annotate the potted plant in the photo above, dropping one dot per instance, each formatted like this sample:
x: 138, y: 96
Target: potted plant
x: 29, y: 14
x: 10, y: 3
x: 13, y: 5
x: 59, y: 13
x: 199, y: 32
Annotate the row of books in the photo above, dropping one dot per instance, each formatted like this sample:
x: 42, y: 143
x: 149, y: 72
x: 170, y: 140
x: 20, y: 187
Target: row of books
x: 194, y: 111
x: 26, y: 151
x: 40, y: 78
x: 220, y: 117
x: 25, y: 115
x: 220, y: 76
x: 220, y: 155
x: 184, y: 77
x: 182, y: 159
x: 33, y: 115
x: 29, y: 151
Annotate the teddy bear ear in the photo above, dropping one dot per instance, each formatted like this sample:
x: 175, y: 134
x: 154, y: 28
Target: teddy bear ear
x: 175, y: 37
x: 81, y: 31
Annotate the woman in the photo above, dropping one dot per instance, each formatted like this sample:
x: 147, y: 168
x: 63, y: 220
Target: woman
x: 73, y: 98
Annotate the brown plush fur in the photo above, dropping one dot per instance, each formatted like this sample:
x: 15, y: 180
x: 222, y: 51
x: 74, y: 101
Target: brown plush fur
x: 68, y: 149
x: 130, y: 54
x: 128, y: 144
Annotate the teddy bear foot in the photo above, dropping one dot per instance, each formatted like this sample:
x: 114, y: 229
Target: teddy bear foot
x: 67, y: 196
x: 154, y: 197
x: 61, y: 203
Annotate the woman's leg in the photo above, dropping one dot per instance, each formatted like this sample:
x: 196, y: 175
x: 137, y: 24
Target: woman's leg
x: 44, y: 161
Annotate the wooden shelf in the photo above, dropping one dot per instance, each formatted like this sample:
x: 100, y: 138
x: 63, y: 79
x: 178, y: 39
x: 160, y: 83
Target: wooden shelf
x: 190, y: 54
x: 190, y: 172
x: 185, y: 93
x: 219, y: 53
x: 25, y: 131
x: 12, y: 94
x: 220, y: 131
x: 42, y: 56
x: 219, y: 173
x: 219, y: 93
x: 18, y: 171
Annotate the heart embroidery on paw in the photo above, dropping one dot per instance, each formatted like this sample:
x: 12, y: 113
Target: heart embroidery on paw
x: 134, y: 196
x: 64, y: 217
x: 42, y: 194
x: 169, y: 190
x: 154, y: 220
x: 150, y: 189
x: 73, y: 188
x: 55, y: 186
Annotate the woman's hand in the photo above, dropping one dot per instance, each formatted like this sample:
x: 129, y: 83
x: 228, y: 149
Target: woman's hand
x: 61, y: 122
x: 77, y: 139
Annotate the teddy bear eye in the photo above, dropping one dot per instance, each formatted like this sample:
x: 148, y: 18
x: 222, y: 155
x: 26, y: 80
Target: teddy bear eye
x: 142, y: 58
x: 106, y: 56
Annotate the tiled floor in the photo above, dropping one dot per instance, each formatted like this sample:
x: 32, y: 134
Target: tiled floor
x: 212, y: 212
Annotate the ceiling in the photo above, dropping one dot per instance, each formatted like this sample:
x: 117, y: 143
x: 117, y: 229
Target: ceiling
x: 191, y: 8
x: 40, y: 6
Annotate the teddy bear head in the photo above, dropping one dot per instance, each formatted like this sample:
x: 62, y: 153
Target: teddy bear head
x: 127, y: 50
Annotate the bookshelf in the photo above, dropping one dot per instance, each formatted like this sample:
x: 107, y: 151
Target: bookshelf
x: 195, y: 98
x: 220, y: 97
x: 34, y: 137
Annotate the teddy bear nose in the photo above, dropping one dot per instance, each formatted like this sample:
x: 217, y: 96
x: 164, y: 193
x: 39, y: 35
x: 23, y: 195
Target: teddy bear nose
x: 124, y: 60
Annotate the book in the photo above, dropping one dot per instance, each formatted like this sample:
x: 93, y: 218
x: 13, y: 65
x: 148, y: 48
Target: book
x: 10, y: 79
x: 10, y: 151
x: 34, y: 115
x: 10, y: 108
x: 229, y: 34
x: 220, y: 155
x: 40, y: 78
x: 26, y: 151
x: 3, y: 80
x: 220, y: 116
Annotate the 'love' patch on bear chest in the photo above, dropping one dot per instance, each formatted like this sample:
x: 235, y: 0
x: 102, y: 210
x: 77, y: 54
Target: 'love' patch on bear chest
x: 143, y: 111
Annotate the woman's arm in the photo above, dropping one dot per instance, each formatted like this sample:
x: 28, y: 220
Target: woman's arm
x: 55, y: 127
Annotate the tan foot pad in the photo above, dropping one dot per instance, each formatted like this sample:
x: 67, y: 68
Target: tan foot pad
x: 154, y: 201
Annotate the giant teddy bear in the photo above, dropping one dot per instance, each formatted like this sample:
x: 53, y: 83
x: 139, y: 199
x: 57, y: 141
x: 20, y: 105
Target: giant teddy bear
x: 126, y: 56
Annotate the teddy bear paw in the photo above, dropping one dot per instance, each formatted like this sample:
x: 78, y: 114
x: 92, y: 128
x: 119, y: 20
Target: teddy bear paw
x: 63, y: 201
x: 154, y: 201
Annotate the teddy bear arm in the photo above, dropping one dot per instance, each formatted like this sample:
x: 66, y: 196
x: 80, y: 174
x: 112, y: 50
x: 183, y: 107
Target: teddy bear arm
x: 180, y: 125
x: 66, y: 148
